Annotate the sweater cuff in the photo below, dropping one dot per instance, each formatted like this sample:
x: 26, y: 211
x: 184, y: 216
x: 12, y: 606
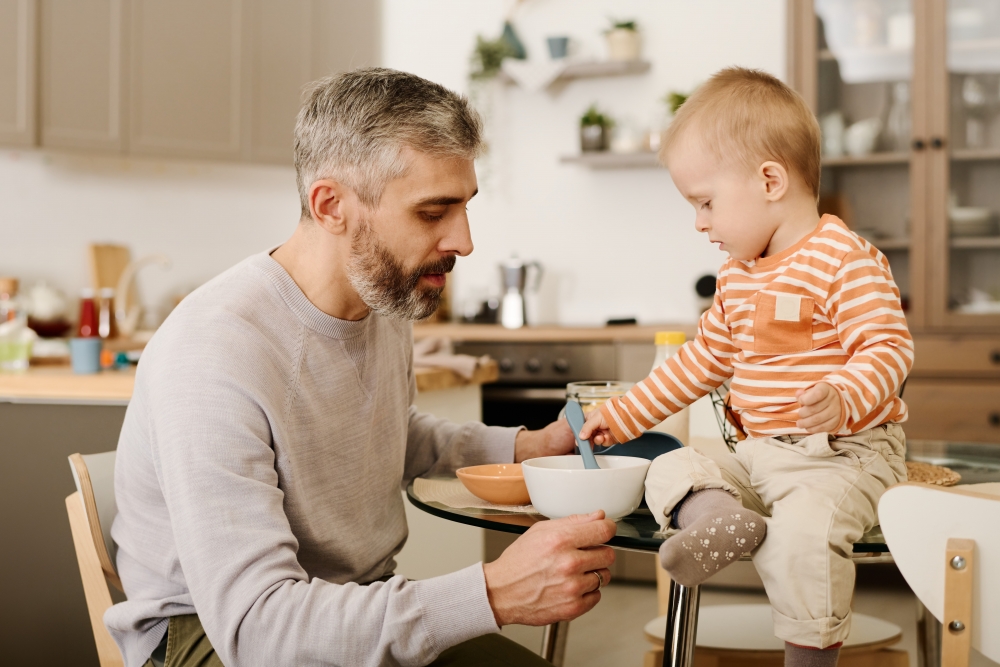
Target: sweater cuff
x: 497, y: 444
x: 455, y: 607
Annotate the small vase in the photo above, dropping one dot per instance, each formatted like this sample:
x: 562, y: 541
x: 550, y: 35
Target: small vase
x: 623, y: 44
x: 593, y: 138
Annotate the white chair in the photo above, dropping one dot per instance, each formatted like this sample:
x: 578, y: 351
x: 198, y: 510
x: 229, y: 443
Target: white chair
x: 946, y: 544
x: 91, y: 512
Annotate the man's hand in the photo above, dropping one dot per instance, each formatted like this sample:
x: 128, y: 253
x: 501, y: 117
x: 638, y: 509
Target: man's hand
x: 819, y: 408
x: 553, y: 440
x: 597, y: 430
x: 547, y: 574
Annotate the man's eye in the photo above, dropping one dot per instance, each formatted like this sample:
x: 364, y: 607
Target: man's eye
x: 431, y: 217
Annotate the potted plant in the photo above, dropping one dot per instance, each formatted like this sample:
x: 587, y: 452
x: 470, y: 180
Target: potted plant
x: 624, y: 41
x: 594, y: 130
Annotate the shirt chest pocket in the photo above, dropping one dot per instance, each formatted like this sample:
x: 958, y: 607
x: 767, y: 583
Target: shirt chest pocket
x: 782, y: 323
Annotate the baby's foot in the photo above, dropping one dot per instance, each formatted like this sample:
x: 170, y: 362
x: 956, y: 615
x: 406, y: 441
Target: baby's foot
x: 715, y: 531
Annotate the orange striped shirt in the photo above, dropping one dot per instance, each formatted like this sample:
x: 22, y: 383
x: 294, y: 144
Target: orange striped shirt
x: 824, y: 310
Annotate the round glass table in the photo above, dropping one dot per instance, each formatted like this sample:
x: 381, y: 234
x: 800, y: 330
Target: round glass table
x: 975, y: 462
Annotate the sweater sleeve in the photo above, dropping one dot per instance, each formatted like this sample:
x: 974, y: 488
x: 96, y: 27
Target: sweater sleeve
x: 701, y: 365
x: 210, y: 447
x: 864, y: 306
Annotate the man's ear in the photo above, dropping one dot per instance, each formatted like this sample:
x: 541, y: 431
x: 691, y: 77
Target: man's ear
x: 329, y: 206
x: 774, y: 180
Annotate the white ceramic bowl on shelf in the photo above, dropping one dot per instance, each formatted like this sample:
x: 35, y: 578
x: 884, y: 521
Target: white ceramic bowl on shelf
x: 971, y: 221
x: 560, y: 486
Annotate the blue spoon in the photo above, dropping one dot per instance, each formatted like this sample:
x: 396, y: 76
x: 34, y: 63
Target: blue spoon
x: 574, y: 415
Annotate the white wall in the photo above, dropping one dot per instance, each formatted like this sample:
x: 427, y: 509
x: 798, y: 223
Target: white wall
x: 614, y: 243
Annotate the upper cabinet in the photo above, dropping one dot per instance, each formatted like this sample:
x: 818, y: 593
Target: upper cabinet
x: 187, y: 78
x: 907, y: 93
x: 18, y: 28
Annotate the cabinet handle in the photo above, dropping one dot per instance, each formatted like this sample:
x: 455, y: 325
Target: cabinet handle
x: 995, y: 357
x: 918, y: 144
x: 995, y: 419
x: 937, y: 142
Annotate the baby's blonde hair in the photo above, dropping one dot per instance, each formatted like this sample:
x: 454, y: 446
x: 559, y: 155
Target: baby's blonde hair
x: 751, y: 117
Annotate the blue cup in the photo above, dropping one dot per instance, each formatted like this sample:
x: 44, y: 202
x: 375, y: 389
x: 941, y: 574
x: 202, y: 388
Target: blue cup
x: 85, y: 354
x: 558, y: 47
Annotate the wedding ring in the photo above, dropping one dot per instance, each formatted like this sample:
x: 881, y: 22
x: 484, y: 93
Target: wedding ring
x: 600, y: 580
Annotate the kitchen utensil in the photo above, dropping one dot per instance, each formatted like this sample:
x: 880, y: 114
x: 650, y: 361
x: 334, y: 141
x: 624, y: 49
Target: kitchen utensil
x: 500, y: 483
x: 127, y: 312
x: 560, y: 485
x: 514, y: 274
x: 574, y: 415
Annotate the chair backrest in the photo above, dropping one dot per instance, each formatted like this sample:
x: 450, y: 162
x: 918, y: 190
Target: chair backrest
x: 94, y: 475
x: 919, y: 520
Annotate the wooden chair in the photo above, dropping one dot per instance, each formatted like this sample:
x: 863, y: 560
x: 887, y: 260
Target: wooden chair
x: 946, y: 545
x: 91, y: 512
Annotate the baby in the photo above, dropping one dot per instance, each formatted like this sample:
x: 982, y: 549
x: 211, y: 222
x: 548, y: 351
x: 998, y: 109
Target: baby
x: 808, y: 324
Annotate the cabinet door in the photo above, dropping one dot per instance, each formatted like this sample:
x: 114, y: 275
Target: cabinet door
x: 83, y: 74
x: 188, y: 78
x: 295, y: 42
x: 957, y: 411
x: 965, y: 146
x: 17, y: 72
x: 859, y: 65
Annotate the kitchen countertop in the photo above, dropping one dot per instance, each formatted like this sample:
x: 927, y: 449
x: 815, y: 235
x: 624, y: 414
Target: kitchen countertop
x: 494, y: 333
x: 59, y: 385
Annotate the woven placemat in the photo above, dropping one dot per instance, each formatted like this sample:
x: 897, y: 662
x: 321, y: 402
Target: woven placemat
x: 928, y: 473
x: 452, y: 493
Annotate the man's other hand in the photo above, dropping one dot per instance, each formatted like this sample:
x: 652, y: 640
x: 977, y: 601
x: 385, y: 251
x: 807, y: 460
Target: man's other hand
x: 553, y: 440
x: 548, y: 574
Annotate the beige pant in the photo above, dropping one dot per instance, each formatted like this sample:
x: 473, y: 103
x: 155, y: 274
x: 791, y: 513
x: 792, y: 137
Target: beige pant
x: 818, y: 495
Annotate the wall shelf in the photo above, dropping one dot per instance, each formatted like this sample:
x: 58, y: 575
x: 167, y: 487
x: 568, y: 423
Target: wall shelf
x: 609, y: 160
x: 871, y: 159
x: 974, y: 242
x: 898, y: 243
x: 587, y: 69
x: 975, y: 154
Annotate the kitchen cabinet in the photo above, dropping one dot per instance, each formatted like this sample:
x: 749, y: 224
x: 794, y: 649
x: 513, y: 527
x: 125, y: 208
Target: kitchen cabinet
x: 18, y: 28
x: 187, y: 79
x: 83, y: 66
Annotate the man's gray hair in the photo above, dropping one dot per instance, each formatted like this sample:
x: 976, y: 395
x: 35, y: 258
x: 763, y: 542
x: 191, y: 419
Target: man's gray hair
x: 353, y: 126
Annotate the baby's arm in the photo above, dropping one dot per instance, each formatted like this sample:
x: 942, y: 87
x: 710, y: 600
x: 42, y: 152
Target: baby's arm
x: 864, y: 307
x: 700, y: 366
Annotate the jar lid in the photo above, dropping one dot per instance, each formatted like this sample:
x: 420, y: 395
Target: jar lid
x: 670, y: 338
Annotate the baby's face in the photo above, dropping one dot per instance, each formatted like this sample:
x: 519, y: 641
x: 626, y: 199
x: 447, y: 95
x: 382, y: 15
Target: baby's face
x: 730, y: 204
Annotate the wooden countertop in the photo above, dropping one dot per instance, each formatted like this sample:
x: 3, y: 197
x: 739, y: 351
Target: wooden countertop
x: 58, y: 384
x: 494, y: 333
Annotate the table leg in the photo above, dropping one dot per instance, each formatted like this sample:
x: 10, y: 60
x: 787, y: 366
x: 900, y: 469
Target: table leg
x: 682, y: 625
x: 554, y: 642
x: 928, y: 638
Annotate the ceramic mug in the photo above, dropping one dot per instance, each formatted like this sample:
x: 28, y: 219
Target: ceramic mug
x: 85, y: 355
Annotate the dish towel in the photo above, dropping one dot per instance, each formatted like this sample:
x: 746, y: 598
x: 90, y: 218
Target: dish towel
x: 452, y: 493
x: 439, y: 353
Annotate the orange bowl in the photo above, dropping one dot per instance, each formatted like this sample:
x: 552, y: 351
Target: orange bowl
x: 500, y: 483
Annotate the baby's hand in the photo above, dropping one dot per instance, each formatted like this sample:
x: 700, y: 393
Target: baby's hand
x: 596, y: 429
x: 819, y: 408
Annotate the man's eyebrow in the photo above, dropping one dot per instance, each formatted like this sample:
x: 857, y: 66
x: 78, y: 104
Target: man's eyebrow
x: 443, y: 201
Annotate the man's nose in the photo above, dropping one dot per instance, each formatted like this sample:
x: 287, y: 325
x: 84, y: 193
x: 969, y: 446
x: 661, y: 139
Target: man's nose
x: 458, y: 240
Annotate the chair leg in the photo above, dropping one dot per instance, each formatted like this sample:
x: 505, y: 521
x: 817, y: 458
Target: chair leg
x: 682, y: 626
x: 554, y: 642
x: 928, y: 638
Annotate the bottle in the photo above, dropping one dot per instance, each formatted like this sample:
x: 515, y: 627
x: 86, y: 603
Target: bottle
x: 9, y: 304
x: 106, y: 314
x: 88, y: 315
x: 677, y: 424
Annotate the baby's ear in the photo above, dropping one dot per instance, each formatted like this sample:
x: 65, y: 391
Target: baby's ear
x: 773, y: 179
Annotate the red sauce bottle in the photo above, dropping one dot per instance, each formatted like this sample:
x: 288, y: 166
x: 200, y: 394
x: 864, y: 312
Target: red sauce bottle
x: 88, y: 315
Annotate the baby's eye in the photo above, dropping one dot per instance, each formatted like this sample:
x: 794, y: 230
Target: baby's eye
x: 707, y: 204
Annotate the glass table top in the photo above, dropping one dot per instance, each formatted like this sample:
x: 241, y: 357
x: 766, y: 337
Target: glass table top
x: 975, y: 462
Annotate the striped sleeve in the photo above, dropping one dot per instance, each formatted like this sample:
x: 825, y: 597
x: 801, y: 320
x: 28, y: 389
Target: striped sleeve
x: 864, y: 307
x: 700, y: 366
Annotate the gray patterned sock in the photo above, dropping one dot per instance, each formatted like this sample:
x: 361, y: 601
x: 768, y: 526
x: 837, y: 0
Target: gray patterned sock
x: 803, y: 656
x: 715, y: 531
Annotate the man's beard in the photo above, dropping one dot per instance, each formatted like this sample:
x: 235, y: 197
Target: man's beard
x: 385, y: 285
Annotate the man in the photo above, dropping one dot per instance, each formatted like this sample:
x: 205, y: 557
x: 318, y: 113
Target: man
x: 260, y: 463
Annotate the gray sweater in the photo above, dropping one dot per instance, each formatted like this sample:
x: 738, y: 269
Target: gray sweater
x: 258, y: 484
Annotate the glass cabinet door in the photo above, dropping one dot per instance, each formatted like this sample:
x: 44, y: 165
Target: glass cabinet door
x: 969, y: 264
x: 864, y: 91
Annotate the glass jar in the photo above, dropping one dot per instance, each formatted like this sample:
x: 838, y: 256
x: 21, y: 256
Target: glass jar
x: 592, y: 395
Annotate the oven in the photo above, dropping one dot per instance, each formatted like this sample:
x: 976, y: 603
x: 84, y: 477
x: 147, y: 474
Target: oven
x: 531, y: 389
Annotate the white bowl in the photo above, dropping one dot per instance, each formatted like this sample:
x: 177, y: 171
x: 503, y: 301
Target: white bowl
x: 560, y: 486
x: 971, y: 221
